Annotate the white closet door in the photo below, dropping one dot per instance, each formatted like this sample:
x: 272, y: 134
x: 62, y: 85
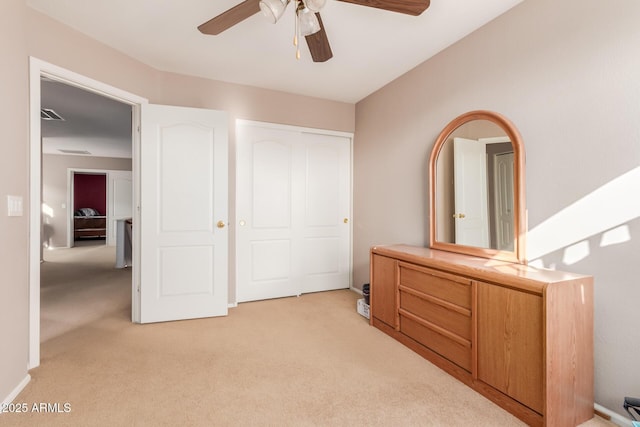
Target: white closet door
x: 293, y: 211
x: 326, y: 213
x: 267, y: 253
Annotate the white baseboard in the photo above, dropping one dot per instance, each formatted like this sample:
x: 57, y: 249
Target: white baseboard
x: 356, y: 290
x: 16, y: 391
x: 615, y: 417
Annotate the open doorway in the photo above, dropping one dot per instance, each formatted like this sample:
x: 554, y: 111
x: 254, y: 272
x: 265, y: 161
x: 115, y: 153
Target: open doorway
x: 84, y: 135
x: 88, y: 194
x: 57, y: 212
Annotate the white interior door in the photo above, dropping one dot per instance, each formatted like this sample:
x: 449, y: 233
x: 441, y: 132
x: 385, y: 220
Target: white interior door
x: 470, y: 182
x: 120, y: 191
x: 184, y: 160
x: 504, y: 201
x: 293, y: 208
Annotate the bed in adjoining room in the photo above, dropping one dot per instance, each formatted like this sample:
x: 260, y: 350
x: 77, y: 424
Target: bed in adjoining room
x: 88, y: 223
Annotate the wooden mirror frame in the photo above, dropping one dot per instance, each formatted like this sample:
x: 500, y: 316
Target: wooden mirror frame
x: 520, y: 220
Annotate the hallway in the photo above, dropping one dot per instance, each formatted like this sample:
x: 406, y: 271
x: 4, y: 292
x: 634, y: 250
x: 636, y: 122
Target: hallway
x: 80, y: 285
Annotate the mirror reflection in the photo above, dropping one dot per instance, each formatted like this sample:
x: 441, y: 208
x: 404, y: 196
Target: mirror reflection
x: 475, y: 187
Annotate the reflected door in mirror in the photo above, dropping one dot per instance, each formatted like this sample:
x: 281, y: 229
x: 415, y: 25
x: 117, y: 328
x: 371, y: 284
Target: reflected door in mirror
x: 483, y: 194
x: 477, y: 188
x: 471, y: 212
x: 503, y: 190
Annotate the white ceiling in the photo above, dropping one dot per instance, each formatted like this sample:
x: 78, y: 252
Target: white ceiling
x: 371, y: 47
x: 93, y: 123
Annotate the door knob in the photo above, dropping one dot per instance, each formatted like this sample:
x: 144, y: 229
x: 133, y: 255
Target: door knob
x: 220, y: 224
x: 346, y: 220
x: 459, y: 215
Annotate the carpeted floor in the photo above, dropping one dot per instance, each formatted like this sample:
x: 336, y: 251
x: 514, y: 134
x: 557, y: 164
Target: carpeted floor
x: 80, y: 285
x: 307, y: 361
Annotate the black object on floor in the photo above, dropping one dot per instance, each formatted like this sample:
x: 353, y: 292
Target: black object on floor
x: 632, y: 403
x: 365, y: 293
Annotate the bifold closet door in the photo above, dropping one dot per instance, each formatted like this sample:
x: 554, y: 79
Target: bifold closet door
x: 293, y: 212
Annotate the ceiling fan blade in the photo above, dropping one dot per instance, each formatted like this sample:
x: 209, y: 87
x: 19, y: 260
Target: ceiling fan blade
x: 319, y: 44
x: 409, y: 7
x: 230, y: 18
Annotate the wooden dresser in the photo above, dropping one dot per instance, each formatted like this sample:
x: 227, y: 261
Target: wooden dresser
x: 521, y: 336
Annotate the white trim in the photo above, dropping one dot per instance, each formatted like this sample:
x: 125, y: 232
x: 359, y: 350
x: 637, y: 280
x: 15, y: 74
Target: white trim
x: 74, y: 79
x: 351, y: 157
x: 71, y: 202
x: 37, y: 69
x: 494, y: 140
x: 295, y: 128
x: 136, y: 120
x: 35, y: 214
x: 615, y: 417
x: 16, y: 391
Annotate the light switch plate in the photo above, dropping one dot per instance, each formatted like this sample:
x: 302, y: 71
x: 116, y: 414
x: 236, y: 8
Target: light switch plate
x: 14, y: 205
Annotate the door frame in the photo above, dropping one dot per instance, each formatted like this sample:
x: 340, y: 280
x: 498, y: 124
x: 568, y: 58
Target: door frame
x: 71, y: 172
x: 37, y: 69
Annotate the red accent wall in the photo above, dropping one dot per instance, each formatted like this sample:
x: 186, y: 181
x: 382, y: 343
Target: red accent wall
x: 90, y: 191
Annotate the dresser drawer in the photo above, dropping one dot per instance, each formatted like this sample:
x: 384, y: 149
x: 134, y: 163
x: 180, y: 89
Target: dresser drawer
x: 445, y: 315
x: 447, y: 287
x: 456, y: 351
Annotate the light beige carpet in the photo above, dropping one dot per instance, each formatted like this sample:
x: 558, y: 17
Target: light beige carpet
x: 308, y: 361
x: 80, y: 285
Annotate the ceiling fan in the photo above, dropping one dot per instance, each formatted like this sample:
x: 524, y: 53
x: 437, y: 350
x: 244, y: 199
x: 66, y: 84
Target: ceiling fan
x: 308, y: 21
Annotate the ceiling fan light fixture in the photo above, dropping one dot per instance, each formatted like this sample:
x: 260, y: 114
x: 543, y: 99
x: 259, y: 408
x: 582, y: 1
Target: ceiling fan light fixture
x: 307, y: 22
x: 273, y: 9
x: 315, y: 5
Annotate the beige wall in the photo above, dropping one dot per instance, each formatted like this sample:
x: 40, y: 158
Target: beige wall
x: 25, y: 33
x: 14, y: 180
x: 54, y: 191
x: 566, y: 73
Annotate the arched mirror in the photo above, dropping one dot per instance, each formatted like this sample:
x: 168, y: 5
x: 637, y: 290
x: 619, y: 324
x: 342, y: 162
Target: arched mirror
x: 476, y: 192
